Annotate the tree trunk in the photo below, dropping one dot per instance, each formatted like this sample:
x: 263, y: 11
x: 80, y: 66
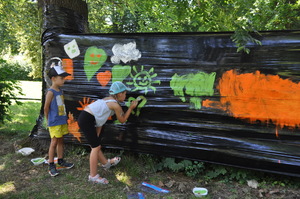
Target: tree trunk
x: 78, y: 6
x: 59, y: 16
x: 64, y: 16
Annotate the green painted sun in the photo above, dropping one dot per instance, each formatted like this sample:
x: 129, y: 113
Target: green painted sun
x: 143, y: 79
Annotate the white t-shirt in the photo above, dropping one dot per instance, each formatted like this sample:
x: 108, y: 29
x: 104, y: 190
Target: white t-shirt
x: 101, y: 111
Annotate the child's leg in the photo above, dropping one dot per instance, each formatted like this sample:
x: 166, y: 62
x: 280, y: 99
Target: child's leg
x: 94, y: 161
x: 101, y: 157
x: 62, y: 164
x: 60, y: 148
x: 86, y: 122
x: 94, y: 177
x: 107, y: 163
x: 52, y: 148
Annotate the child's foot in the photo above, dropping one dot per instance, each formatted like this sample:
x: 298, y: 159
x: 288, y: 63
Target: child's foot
x: 52, y: 171
x: 111, y: 162
x: 64, y: 165
x: 98, y: 180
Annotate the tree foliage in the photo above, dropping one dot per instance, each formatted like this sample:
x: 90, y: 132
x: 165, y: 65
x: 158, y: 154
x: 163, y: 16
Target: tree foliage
x: 8, y: 90
x: 245, y: 17
x: 20, y: 31
x: 20, y: 23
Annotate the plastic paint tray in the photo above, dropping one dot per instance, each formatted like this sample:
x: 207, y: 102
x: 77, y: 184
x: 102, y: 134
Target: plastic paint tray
x: 38, y: 161
x: 199, y: 191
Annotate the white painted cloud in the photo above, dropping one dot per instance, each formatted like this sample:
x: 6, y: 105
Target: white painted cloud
x: 125, y: 53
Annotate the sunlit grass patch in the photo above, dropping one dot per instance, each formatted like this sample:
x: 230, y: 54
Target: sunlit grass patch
x: 2, y: 166
x: 124, y: 178
x: 7, y: 187
x: 23, y: 118
x: 6, y: 160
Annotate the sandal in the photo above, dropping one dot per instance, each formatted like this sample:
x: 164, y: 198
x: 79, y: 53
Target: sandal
x: 97, y: 180
x: 109, y: 164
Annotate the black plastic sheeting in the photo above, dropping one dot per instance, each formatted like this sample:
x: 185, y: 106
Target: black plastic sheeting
x: 201, y: 100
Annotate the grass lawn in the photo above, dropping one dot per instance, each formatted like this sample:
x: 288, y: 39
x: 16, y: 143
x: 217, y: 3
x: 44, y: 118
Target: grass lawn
x: 23, y: 118
x: 19, y: 178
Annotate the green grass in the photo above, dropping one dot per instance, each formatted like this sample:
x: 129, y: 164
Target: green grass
x: 19, y: 178
x: 23, y: 118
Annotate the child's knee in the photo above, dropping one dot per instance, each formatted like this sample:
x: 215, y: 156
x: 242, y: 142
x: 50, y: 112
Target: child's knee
x: 54, y: 141
x: 97, y: 148
x: 60, y: 140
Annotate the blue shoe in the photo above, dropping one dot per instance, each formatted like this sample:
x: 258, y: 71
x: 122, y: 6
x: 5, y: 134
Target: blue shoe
x: 52, y: 171
x: 64, y: 165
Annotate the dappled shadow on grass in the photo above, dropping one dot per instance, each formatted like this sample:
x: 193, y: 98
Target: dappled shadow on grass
x: 19, y: 178
x: 35, y: 182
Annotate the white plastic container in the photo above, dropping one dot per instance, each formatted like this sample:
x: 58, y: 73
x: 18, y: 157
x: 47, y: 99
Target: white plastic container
x: 199, y: 191
x: 38, y: 161
x: 26, y: 151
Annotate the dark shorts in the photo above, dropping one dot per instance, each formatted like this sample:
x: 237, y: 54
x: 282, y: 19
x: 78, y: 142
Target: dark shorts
x: 86, y: 122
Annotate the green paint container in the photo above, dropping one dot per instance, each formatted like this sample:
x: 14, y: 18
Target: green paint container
x: 199, y: 191
x: 38, y: 161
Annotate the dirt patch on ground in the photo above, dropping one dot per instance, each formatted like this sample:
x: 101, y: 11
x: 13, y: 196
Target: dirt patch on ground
x: 32, y: 180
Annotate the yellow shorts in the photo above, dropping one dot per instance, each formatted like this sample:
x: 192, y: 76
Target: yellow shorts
x: 58, y: 131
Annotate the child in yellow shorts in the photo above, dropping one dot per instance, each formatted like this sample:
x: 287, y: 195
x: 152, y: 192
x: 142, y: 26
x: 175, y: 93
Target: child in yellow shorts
x: 55, y: 112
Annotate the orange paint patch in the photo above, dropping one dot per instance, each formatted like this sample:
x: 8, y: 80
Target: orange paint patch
x: 255, y: 96
x: 104, y: 77
x: 73, y: 127
x: 84, y: 103
x: 68, y: 67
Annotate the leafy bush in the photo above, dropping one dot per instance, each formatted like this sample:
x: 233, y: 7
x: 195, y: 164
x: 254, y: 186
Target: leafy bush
x: 194, y: 169
x: 8, y: 90
x: 190, y: 168
x: 207, y: 171
x: 14, y: 71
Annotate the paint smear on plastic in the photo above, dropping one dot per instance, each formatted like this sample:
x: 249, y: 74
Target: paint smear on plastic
x: 73, y: 127
x: 255, y: 96
x: 192, y: 86
x: 68, y: 67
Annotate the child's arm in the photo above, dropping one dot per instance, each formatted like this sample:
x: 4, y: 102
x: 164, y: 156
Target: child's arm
x: 119, y: 111
x: 49, y: 97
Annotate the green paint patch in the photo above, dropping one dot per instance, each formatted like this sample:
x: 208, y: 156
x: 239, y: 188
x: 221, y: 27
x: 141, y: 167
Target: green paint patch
x: 119, y: 73
x: 141, y: 104
x: 143, y: 79
x: 200, y: 192
x: 195, y: 103
x: 94, y: 58
x: 194, y: 85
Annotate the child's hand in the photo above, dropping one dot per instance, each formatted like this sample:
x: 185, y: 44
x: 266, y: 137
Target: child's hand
x: 133, y: 104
